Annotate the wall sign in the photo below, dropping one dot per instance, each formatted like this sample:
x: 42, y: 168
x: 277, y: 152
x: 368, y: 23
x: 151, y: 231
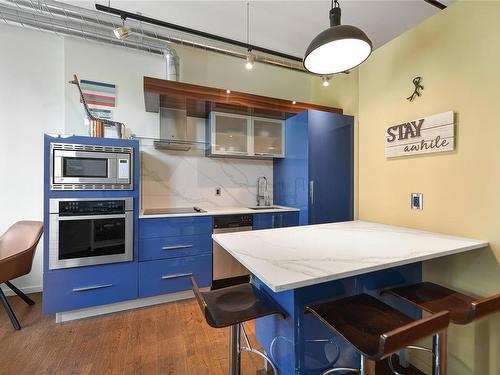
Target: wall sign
x: 422, y: 136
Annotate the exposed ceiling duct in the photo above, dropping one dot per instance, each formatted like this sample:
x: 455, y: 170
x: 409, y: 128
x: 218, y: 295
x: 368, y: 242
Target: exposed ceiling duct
x: 66, y: 19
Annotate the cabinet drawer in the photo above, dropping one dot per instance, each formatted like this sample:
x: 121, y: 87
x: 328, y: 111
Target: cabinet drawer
x: 173, y: 247
x: 170, y: 275
x: 181, y: 226
x: 76, y: 288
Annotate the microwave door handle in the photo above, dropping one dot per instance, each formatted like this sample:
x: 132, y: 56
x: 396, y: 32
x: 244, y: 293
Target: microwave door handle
x: 92, y: 217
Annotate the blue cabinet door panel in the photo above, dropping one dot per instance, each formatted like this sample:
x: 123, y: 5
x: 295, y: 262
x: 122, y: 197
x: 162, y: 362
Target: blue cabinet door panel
x: 331, y: 152
x: 76, y: 288
x: 275, y: 220
x: 181, y: 226
x: 262, y: 221
x: 174, y: 247
x: 171, y: 275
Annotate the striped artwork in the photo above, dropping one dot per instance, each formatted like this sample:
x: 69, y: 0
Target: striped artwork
x: 98, y: 93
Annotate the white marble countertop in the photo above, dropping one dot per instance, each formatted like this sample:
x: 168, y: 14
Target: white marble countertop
x: 214, y: 211
x: 289, y: 258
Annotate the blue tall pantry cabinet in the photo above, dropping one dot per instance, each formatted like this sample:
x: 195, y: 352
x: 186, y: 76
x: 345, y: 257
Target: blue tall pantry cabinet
x: 317, y: 174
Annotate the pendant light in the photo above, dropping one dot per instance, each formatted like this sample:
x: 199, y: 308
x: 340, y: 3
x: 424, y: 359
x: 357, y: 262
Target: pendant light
x: 250, y: 61
x: 338, y: 48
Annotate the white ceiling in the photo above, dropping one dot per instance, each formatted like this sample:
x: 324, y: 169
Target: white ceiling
x: 286, y: 26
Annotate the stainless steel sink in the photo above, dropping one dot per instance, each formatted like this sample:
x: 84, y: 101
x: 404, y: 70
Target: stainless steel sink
x: 266, y: 208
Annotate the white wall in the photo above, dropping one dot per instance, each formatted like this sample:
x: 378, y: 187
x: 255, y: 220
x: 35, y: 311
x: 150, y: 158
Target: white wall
x: 31, y: 104
x: 35, y: 68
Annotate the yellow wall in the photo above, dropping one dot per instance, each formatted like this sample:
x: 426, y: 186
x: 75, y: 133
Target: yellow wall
x: 457, y: 52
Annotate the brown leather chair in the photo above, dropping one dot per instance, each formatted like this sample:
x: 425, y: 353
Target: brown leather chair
x: 17, y: 248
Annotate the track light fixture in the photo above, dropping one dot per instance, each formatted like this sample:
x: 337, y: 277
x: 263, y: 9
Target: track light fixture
x: 338, y: 48
x: 250, y: 60
x: 123, y: 31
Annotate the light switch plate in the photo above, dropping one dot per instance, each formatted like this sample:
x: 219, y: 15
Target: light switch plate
x: 417, y: 201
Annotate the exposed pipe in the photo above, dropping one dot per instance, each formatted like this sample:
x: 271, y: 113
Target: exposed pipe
x: 66, y: 19
x: 172, y: 63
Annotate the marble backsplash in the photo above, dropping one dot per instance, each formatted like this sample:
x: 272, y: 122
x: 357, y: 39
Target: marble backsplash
x: 185, y: 179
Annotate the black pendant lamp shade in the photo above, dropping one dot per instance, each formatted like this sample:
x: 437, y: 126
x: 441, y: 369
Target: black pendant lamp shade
x: 338, y: 48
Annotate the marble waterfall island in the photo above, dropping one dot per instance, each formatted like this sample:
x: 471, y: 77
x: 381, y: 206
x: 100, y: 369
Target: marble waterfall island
x: 298, y: 266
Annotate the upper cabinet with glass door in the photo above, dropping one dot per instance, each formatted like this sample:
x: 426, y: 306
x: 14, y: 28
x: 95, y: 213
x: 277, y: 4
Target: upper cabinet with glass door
x: 268, y: 137
x: 234, y: 135
x: 230, y: 134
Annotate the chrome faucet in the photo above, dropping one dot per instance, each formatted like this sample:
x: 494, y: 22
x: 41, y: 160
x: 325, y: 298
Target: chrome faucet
x: 262, y: 191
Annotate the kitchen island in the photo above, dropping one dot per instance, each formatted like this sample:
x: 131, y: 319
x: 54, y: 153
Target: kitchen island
x: 303, y: 265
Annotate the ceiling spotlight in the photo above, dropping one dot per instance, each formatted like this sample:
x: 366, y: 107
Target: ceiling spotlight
x: 123, y: 31
x: 325, y: 81
x: 228, y: 91
x: 294, y: 102
x: 250, y: 61
x: 338, y: 48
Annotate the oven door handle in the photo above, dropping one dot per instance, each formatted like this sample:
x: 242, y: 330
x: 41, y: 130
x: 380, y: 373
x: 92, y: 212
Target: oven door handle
x: 92, y: 217
x: 94, y: 287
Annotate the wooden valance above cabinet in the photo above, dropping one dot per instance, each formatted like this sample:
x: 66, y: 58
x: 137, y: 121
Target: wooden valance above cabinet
x: 199, y: 101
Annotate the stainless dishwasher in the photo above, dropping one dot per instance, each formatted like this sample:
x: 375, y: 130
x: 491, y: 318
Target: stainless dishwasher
x: 226, y: 270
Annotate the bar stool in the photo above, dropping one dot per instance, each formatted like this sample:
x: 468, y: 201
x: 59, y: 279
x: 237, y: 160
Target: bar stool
x: 435, y: 298
x: 375, y: 329
x: 230, y: 307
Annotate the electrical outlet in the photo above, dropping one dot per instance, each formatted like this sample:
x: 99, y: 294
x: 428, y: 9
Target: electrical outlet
x: 218, y: 191
x: 417, y: 201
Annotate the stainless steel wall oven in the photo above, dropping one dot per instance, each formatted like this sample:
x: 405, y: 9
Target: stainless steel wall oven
x: 90, y: 231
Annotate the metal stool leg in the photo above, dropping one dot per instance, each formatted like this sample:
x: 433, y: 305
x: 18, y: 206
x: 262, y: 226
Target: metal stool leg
x: 9, y: 310
x: 234, y: 350
x: 440, y: 351
x: 249, y: 348
x: 24, y: 297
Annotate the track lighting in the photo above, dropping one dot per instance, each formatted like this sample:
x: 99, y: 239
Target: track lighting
x: 338, y: 48
x: 123, y: 31
x: 250, y: 61
x: 325, y: 81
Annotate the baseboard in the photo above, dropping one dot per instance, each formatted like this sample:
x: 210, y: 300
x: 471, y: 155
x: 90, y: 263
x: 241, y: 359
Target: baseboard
x: 25, y: 290
x: 121, y: 306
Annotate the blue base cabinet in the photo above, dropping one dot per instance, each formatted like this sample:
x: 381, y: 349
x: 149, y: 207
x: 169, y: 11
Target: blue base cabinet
x: 275, y: 220
x: 172, y: 275
x: 317, y: 175
x: 76, y: 288
x: 172, y: 249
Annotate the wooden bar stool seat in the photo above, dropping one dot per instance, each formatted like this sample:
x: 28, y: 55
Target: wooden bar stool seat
x: 231, y: 307
x: 434, y: 298
x: 375, y: 329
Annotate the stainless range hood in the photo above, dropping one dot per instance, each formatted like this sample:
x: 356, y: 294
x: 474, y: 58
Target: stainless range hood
x: 173, y: 131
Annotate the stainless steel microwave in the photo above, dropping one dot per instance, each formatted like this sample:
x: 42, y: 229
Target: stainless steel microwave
x: 91, y: 167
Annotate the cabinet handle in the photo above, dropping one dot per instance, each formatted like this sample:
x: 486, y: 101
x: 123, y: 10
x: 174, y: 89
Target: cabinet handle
x: 84, y: 289
x: 177, y: 276
x: 176, y: 247
x: 311, y: 191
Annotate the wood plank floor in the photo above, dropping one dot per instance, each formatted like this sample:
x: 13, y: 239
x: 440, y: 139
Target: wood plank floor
x: 166, y: 339
x: 171, y: 338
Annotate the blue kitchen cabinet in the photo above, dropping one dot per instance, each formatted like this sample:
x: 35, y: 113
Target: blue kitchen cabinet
x: 172, y: 249
x: 275, y: 220
x: 173, y: 275
x: 317, y: 175
x: 76, y: 288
